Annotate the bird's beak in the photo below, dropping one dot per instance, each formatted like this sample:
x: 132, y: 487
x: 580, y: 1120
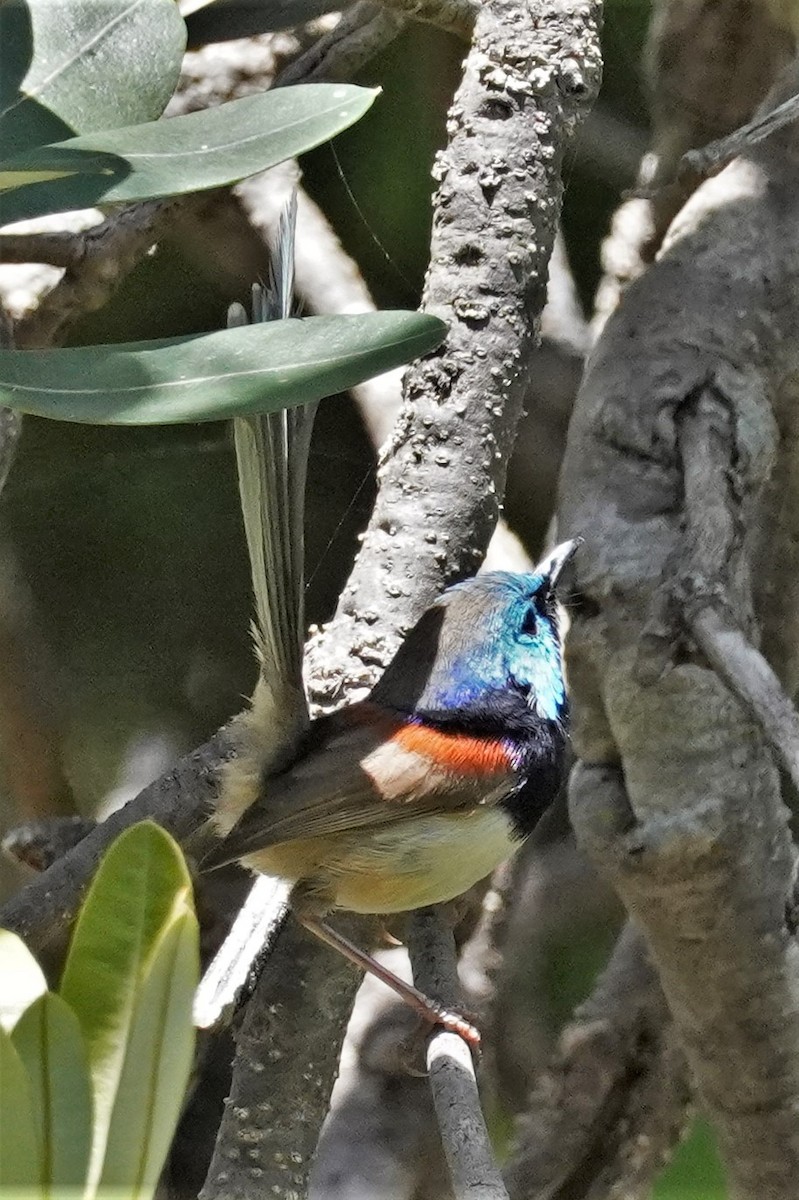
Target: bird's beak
x: 552, y: 566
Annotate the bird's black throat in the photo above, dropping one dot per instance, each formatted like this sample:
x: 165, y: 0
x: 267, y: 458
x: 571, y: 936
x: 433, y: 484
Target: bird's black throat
x: 537, y: 743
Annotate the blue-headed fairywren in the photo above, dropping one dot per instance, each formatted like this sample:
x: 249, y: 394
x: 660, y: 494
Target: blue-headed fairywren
x: 411, y: 796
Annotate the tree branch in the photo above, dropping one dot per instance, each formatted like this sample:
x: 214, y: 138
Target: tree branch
x: 56, y: 247
x: 710, y: 63
x: 102, y: 257
x: 475, y: 1175
x: 363, y: 31
x: 718, y: 154
x: 711, y: 544
x: 287, y: 1053
x: 456, y: 16
x: 529, y: 78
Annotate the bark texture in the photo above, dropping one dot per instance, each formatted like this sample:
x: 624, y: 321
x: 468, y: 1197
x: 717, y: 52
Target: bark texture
x: 678, y: 797
x: 709, y: 64
x: 605, y: 1114
x: 287, y: 1052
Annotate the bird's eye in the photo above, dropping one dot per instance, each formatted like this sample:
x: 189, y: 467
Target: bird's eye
x: 530, y: 622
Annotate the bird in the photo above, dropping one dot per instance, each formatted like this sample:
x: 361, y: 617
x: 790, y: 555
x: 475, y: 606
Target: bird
x: 408, y: 797
x: 411, y: 796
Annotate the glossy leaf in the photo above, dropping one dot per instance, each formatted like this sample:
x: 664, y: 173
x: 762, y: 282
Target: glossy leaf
x: 48, y: 1041
x: 201, y: 150
x: 22, y: 979
x: 73, y: 66
x: 158, y: 1063
x: 141, y: 888
x: 255, y: 368
x: 20, y: 1158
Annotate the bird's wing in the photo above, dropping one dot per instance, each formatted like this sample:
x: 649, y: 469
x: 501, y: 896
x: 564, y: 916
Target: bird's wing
x: 359, y: 773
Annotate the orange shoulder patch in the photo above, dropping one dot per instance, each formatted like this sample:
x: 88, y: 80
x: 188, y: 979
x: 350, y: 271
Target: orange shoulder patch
x: 456, y: 751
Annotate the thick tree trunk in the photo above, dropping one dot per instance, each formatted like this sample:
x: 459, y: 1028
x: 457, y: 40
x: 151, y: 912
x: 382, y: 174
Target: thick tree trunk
x: 680, y: 472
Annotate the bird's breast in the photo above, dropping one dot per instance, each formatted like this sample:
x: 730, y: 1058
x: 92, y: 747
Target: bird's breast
x: 424, y: 860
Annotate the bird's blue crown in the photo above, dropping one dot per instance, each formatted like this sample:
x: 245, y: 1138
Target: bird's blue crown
x: 486, y: 656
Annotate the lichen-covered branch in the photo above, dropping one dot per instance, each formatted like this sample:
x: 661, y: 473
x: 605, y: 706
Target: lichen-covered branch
x: 531, y: 75
x: 678, y: 800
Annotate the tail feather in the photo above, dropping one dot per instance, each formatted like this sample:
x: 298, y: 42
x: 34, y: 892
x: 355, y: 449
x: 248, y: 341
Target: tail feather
x: 272, y: 456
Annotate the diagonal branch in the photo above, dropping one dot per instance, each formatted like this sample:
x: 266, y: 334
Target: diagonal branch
x: 102, y: 257
x: 532, y: 72
x: 456, y: 16
x: 711, y: 535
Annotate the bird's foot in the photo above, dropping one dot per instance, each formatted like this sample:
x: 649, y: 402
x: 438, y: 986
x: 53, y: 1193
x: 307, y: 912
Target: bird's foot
x: 454, y: 1021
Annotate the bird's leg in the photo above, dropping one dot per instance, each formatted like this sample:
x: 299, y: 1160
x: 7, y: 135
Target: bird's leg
x: 432, y: 1010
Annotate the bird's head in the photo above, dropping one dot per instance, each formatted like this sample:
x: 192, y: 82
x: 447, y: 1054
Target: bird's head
x: 486, y: 655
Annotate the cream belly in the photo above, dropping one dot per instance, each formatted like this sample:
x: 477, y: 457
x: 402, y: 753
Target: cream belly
x: 418, y: 862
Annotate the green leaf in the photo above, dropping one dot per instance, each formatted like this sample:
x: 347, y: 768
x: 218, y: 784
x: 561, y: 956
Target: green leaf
x: 157, y: 1066
x: 20, y: 1157
x: 23, y: 980
x: 73, y: 66
x: 48, y: 1041
x: 141, y: 888
x: 255, y: 368
x: 201, y: 150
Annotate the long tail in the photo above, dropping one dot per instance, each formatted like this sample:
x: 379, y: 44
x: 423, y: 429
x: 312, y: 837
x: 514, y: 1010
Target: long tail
x: 272, y: 454
x: 272, y: 457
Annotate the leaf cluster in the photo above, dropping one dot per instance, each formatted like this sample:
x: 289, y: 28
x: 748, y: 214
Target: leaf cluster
x: 83, y: 85
x: 93, y: 1075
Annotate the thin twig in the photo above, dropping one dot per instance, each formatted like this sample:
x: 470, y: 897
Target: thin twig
x: 717, y: 154
x: 362, y: 32
x: 105, y: 254
x: 475, y: 1175
x: 56, y: 247
x: 456, y: 16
